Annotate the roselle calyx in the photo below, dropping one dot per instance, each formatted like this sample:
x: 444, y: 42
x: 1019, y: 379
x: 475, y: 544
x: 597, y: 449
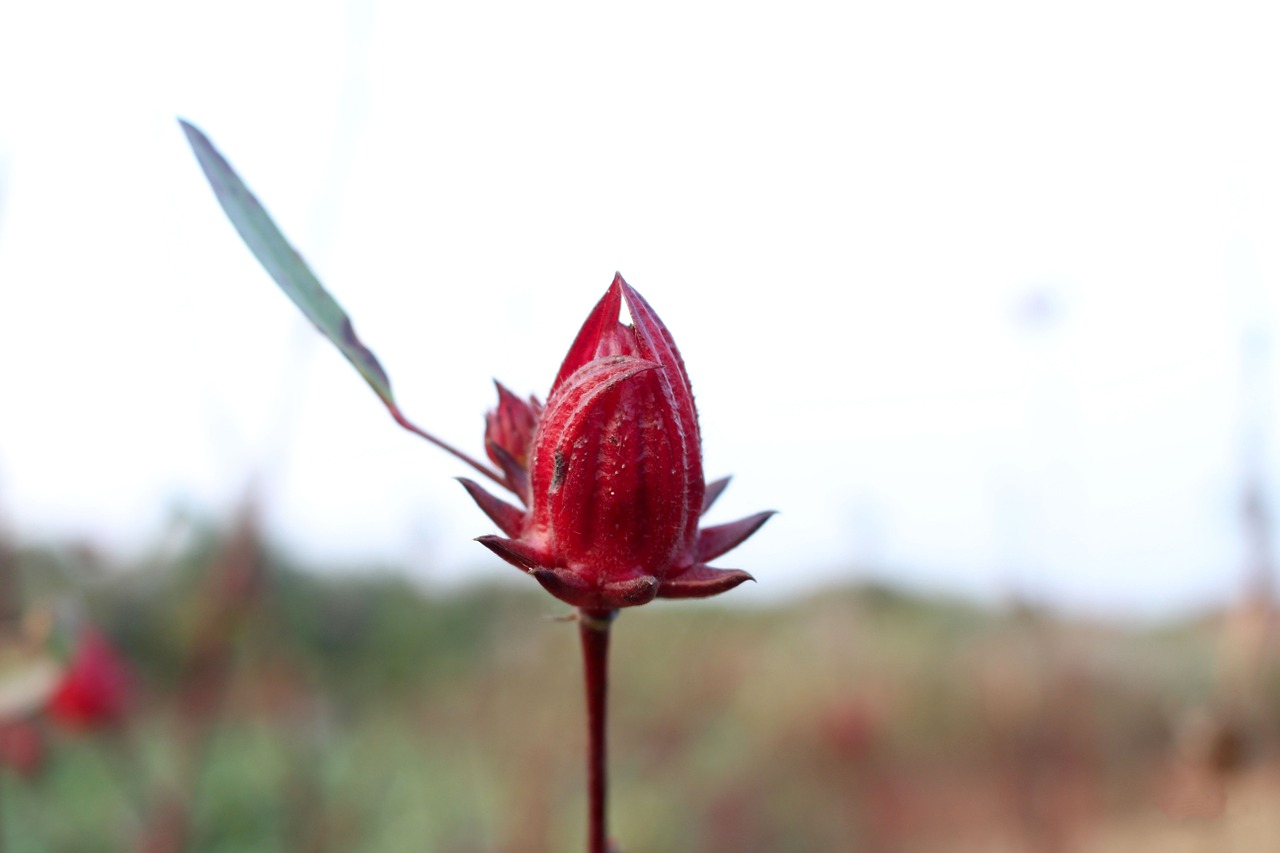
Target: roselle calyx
x: 609, y: 472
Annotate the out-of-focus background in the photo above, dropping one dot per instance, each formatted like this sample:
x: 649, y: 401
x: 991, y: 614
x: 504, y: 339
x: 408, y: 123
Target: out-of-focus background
x: 983, y: 299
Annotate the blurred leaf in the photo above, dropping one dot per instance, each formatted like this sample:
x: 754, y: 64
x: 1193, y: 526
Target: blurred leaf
x: 284, y: 263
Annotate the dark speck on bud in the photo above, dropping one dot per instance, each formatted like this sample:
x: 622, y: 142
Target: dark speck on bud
x: 557, y: 478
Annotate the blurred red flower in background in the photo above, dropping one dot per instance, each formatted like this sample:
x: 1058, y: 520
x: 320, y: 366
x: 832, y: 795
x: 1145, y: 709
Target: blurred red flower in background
x: 96, y: 688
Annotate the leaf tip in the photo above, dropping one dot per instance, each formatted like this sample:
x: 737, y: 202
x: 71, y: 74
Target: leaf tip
x: 192, y: 132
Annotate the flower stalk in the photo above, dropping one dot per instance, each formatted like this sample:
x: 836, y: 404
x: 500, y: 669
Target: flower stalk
x: 593, y: 628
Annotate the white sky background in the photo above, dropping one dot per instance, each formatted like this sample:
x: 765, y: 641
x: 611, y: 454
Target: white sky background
x: 847, y: 214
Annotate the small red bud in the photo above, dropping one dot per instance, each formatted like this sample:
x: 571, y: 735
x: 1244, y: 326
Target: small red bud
x: 508, y: 438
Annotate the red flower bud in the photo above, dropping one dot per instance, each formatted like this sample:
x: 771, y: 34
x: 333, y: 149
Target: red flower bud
x: 610, y: 471
x: 96, y: 688
x: 508, y: 438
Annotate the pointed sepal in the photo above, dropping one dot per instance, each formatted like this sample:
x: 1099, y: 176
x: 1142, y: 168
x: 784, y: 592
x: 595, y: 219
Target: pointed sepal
x: 510, y: 519
x: 722, y: 538
x: 522, y: 555
x: 577, y: 592
x: 714, y: 490
x: 702, y: 581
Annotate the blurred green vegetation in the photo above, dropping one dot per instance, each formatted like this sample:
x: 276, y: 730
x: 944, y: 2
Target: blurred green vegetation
x: 357, y: 711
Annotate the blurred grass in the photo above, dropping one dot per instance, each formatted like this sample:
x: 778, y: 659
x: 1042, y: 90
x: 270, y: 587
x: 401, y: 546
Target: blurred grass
x: 363, y: 714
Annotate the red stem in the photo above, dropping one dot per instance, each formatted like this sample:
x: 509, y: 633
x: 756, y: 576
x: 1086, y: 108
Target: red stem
x: 593, y: 628
x: 445, y: 446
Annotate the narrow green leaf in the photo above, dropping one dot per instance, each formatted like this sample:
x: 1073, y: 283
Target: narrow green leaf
x: 300, y: 284
x: 284, y: 263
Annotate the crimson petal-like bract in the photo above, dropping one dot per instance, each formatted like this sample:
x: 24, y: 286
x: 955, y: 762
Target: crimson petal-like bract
x: 610, y: 471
